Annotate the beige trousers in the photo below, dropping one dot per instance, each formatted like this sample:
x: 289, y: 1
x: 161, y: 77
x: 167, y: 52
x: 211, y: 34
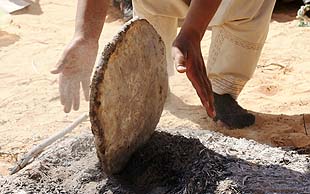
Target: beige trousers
x: 239, y: 30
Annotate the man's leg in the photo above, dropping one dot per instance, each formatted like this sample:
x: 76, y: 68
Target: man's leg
x: 163, y: 15
x: 238, y: 36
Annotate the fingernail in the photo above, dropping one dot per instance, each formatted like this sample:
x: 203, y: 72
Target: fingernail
x: 76, y: 107
x: 54, y: 71
x: 66, y: 109
x: 181, y: 68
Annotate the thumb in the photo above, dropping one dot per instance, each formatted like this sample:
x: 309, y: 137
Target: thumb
x: 58, y: 67
x: 179, y: 60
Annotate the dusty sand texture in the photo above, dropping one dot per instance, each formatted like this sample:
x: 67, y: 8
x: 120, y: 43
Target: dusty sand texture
x: 185, y: 160
x: 32, y: 39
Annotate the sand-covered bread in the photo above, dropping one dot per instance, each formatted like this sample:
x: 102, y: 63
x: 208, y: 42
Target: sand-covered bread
x: 128, y: 93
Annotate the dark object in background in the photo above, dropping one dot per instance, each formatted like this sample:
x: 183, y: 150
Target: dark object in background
x: 127, y: 10
x: 126, y: 7
x: 308, y: 12
x: 303, y: 14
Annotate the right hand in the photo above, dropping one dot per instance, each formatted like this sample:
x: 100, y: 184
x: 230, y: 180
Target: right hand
x: 75, y: 67
x: 186, y: 53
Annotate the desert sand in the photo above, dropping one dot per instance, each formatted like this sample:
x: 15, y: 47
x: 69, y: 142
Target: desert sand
x: 31, y: 41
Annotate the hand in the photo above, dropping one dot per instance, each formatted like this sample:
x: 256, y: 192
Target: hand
x: 186, y: 53
x: 74, y: 68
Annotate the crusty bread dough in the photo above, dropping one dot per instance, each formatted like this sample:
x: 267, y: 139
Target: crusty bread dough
x: 128, y: 93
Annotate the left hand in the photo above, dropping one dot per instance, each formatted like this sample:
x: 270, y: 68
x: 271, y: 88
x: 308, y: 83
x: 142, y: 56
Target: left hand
x: 186, y: 53
x: 75, y: 68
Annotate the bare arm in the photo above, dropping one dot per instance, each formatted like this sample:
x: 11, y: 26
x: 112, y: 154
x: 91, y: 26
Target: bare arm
x: 187, y: 52
x: 198, y: 18
x: 90, y: 18
x: 77, y: 61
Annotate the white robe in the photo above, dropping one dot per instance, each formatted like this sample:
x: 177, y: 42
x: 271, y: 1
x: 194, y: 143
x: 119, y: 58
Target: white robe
x: 239, y: 30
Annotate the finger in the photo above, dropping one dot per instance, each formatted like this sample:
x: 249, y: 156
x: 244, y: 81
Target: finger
x: 195, y: 75
x: 86, y: 88
x: 62, y: 83
x: 198, y: 84
x: 68, y: 95
x: 76, y: 95
x: 206, y: 99
x: 68, y: 104
x: 208, y: 86
x: 71, y: 69
x: 179, y: 60
x: 58, y: 67
x: 210, y: 96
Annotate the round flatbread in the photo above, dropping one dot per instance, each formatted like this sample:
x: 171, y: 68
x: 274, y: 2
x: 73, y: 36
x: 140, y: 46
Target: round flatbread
x: 128, y: 93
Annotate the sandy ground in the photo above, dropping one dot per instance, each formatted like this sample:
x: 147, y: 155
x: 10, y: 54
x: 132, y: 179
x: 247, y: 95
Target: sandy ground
x: 183, y: 160
x: 32, y: 39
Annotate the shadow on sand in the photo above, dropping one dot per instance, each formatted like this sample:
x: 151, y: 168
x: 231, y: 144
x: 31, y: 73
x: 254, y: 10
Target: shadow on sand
x: 260, y: 131
x: 7, y: 39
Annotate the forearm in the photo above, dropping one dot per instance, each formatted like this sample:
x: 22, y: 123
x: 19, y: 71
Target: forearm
x: 198, y: 18
x: 90, y: 18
